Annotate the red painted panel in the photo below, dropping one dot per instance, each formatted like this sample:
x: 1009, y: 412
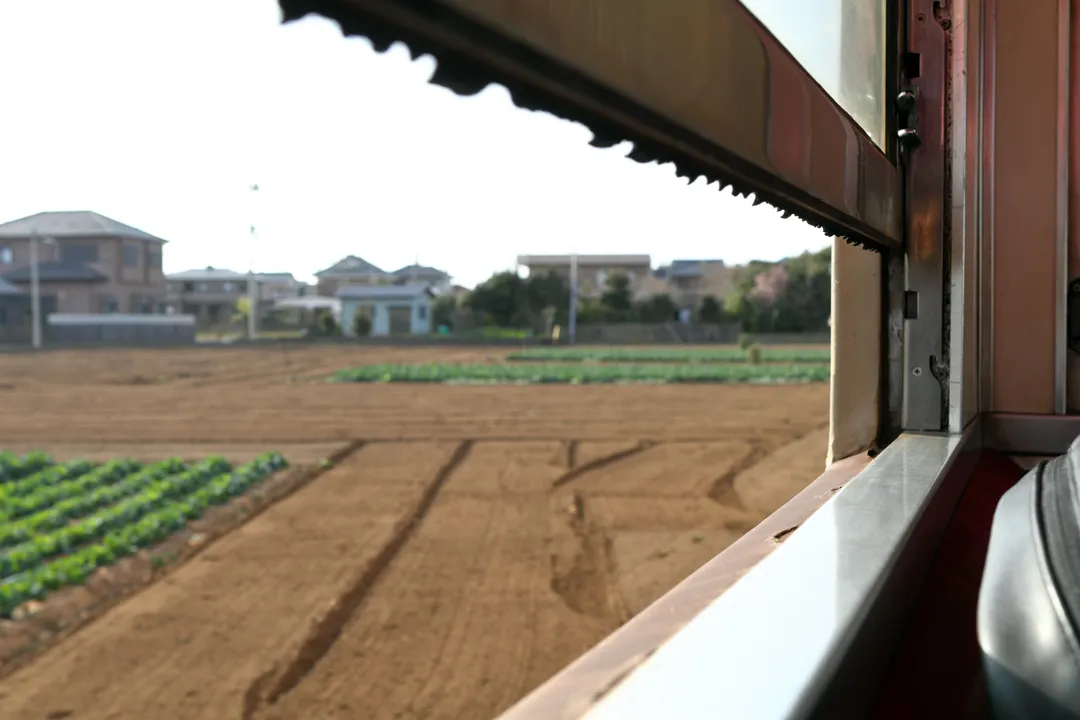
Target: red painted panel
x: 937, y: 672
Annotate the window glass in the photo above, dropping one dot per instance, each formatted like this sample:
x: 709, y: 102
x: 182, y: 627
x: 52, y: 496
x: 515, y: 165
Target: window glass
x: 841, y: 44
x: 131, y: 256
x: 78, y: 253
x: 6, y: 255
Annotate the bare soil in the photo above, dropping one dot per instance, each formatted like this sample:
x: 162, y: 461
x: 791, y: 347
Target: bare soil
x: 477, y: 540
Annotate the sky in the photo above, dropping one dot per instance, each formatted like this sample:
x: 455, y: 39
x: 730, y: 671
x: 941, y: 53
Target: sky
x: 162, y: 113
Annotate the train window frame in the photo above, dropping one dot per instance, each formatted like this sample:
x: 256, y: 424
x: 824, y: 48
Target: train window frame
x: 786, y: 141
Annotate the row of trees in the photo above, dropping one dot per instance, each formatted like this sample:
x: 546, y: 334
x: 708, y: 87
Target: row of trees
x: 789, y: 296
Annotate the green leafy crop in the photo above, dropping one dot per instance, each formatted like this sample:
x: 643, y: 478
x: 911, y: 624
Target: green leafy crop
x: 58, y: 523
x: 668, y: 355
x: 580, y: 373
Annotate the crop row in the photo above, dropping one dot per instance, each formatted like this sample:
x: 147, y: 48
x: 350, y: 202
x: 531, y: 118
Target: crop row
x: 42, y: 491
x: 95, y: 496
x: 13, y: 467
x: 575, y: 374
x: 66, y: 543
x: 44, y: 477
x: 668, y: 355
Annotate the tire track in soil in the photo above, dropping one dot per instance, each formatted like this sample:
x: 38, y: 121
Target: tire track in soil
x: 601, y: 462
x: 588, y: 586
x: 326, y: 632
x: 571, y: 453
x: 723, y: 490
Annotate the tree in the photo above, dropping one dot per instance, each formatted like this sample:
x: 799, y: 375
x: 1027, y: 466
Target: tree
x: 324, y: 323
x: 710, y: 310
x: 657, y: 308
x: 547, y: 290
x: 502, y: 299
x: 508, y: 300
x: 790, y: 296
x: 617, y: 300
x: 361, y: 324
x: 241, y: 308
x: 591, y: 310
x: 442, y: 311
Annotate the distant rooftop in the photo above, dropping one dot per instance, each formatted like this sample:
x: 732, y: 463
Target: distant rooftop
x: 211, y: 273
x: 588, y: 260
x: 71, y: 224
x: 383, y: 292
x: 207, y: 273
x: 419, y: 270
x: 691, y: 268
x: 351, y: 266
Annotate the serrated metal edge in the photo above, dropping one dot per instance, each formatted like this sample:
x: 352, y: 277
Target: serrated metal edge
x: 469, y: 78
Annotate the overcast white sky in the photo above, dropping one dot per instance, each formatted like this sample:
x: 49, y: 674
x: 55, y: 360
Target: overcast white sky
x: 147, y: 112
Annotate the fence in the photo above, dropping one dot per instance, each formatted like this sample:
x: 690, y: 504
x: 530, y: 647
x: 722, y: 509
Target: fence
x: 15, y: 323
x: 822, y: 338
x: 656, y: 333
x: 143, y: 330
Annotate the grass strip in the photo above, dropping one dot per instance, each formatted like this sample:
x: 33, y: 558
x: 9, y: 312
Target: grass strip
x: 583, y: 374
x: 666, y: 355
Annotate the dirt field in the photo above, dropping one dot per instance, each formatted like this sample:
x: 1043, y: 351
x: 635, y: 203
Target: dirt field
x: 475, y: 541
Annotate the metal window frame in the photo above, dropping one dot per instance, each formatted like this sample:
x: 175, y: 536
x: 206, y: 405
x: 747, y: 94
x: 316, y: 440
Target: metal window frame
x: 924, y: 330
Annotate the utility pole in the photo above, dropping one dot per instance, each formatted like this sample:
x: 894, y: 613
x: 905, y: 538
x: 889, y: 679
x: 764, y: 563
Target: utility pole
x: 35, y: 293
x: 253, y: 293
x: 571, y: 324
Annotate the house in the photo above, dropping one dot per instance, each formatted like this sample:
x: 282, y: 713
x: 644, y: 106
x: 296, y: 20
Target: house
x: 688, y: 281
x: 348, y: 271
x: 88, y: 262
x: 416, y: 274
x: 593, y: 271
x: 392, y: 309
x: 304, y: 310
x: 279, y: 286
x: 211, y: 294
x: 459, y: 293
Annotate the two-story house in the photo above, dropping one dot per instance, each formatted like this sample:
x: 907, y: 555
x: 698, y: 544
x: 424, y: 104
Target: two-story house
x: 211, y: 294
x: 89, y: 263
x: 438, y: 281
x: 688, y: 281
x: 350, y: 270
x: 279, y: 286
x: 593, y: 271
